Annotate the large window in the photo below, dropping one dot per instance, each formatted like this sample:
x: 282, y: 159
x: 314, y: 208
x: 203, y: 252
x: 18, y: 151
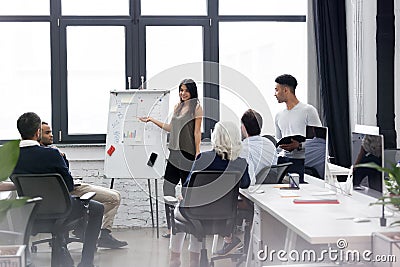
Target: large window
x: 24, y: 73
x: 60, y: 58
x: 174, y: 7
x: 263, y: 7
x: 261, y: 51
x: 24, y: 7
x: 95, y: 7
x: 169, y: 58
x: 96, y: 65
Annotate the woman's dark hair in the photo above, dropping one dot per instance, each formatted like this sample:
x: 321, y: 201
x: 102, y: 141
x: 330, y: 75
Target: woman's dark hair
x: 192, y: 88
x: 252, y: 121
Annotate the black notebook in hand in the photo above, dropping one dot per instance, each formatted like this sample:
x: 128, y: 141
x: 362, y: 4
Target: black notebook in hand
x: 288, y: 139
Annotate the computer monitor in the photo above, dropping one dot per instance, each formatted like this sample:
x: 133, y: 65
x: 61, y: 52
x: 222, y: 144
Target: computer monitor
x: 316, y: 151
x: 367, y: 147
x: 391, y: 156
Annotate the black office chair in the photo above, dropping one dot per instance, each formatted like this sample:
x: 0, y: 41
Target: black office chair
x: 52, y: 214
x: 271, y: 138
x: 209, y: 207
x: 16, y: 225
x: 273, y: 174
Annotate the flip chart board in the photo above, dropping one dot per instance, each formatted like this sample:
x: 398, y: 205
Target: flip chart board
x: 135, y: 149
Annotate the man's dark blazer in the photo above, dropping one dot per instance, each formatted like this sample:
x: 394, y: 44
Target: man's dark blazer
x: 37, y: 159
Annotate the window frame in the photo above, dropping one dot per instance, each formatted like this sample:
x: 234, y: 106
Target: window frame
x: 135, y: 64
x: 60, y: 128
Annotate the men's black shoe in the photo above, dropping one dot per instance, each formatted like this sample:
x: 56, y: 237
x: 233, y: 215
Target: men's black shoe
x: 166, y: 235
x: 228, y: 247
x: 106, y: 240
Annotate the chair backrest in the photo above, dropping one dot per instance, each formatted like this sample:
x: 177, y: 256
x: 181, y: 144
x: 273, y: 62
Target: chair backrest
x: 273, y: 174
x: 271, y: 138
x: 51, y: 188
x: 212, y: 195
x: 16, y: 223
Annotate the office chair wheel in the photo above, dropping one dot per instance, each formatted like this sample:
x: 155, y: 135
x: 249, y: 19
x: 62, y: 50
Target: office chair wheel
x: 34, y: 249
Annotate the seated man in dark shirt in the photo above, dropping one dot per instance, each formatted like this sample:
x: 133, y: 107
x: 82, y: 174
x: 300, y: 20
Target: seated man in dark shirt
x: 110, y: 198
x: 36, y: 159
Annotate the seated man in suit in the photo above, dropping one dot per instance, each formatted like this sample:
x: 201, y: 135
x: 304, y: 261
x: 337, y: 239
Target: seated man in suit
x: 110, y: 198
x: 36, y: 159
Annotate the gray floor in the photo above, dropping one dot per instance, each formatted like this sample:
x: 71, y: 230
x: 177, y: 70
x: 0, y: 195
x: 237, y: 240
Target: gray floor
x: 144, y: 249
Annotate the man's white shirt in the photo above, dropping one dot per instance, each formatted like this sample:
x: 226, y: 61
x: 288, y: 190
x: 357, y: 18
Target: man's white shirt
x: 259, y: 153
x: 294, y: 122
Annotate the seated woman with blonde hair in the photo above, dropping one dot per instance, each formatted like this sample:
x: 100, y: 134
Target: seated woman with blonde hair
x: 226, y: 143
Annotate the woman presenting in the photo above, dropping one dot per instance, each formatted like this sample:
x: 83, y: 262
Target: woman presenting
x: 184, y: 140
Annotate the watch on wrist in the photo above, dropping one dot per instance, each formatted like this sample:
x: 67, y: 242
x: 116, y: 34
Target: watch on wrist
x: 299, y: 147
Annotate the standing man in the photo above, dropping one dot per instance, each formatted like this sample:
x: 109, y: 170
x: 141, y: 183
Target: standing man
x: 110, y: 198
x: 293, y: 121
x: 34, y: 159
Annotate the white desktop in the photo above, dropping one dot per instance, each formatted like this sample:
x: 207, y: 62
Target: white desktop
x: 322, y: 215
x: 319, y: 222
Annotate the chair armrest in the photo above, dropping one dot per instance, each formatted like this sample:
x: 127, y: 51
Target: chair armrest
x: 170, y: 200
x: 281, y: 164
x: 34, y: 200
x: 87, y: 196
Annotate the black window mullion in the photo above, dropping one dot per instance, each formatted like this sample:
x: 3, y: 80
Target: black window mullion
x: 211, y: 88
x: 55, y: 13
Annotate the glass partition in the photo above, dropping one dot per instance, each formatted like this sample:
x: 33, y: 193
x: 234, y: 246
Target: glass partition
x: 367, y: 148
x: 316, y: 151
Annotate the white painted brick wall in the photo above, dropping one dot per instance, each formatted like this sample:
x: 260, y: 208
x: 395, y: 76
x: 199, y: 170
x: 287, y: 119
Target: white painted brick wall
x: 87, y: 163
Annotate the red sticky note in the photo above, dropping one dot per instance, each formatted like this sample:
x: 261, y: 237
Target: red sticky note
x: 111, y: 150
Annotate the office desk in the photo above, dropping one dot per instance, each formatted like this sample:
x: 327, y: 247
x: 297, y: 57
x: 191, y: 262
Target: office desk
x: 281, y: 224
